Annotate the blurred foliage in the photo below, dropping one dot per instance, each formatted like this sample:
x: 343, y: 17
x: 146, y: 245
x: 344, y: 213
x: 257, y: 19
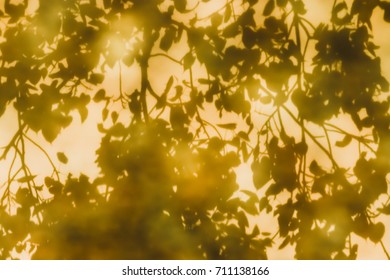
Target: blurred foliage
x: 167, y: 187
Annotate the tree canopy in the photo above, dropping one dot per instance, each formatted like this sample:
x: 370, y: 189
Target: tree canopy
x: 246, y: 83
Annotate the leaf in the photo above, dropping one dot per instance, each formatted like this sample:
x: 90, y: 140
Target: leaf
x: 107, y: 4
x: 255, y: 231
x: 216, y: 19
x: 26, y: 179
x: 168, y: 85
x: 180, y: 5
x: 385, y: 210
x: 274, y: 189
x: 299, y: 7
x: 48, y: 181
x: 62, y: 158
x: 96, y: 78
x: 178, y: 118
x: 118, y: 130
x: 231, y: 30
x: 301, y: 148
x: 99, y: 96
x: 83, y: 112
x: 337, y: 10
x: 218, y: 217
x: 264, y: 202
x: 285, y: 212
x: 250, y: 206
x: 128, y: 60
x: 179, y: 93
x: 281, y: 3
x: 228, y: 13
x: 244, y: 150
x: 319, y: 186
x: 204, y: 81
x: 250, y: 194
x: 188, y: 60
x: 384, y: 84
x: 267, y: 99
x: 343, y: 143
x: 315, y: 169
x: 377, y: 184
x: 261, y: 172
x: 242, y: 220
x: 104, y: 114
x: 51, y: 131
x: 248, y: 37
x: 229, y: 126
x: 269, y: 8
x: 243, y: 135
x: 386, y: 15
x: 114, y: 116
x: 38, y: 188
x: 376, y: 232
x: 168, y: 38
x: 285, y: 242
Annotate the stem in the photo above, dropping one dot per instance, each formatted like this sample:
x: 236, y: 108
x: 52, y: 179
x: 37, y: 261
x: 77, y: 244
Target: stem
x: 46, y: 154
x: 298, y: 39
x: 384, y: 250
x: 12, y: 141
x: 146, y: 51
x: 312, y: 137
x: 357, y: 138
x: 167, y: 56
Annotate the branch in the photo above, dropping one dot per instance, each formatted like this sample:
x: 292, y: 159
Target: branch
x: 12, y: 142
x: 167, y: 56
x: 45, y: 153
x: 313, y: 138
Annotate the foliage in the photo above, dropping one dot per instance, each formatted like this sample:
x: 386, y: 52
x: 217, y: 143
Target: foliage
x: 167, y: 187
